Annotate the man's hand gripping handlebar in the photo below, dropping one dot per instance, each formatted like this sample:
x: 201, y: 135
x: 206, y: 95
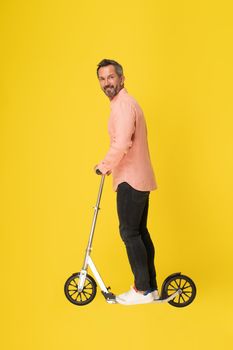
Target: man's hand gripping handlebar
x: 98, y: 172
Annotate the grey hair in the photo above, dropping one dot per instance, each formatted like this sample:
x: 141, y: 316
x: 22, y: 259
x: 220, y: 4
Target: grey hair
x: 106, y: 62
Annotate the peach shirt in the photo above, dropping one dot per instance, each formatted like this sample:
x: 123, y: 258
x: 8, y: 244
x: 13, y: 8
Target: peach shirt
x: 128, y: 157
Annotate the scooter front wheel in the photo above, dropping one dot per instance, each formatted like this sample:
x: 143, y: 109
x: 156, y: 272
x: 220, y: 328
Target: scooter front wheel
x: 186, y: 288
x: 86, y: 295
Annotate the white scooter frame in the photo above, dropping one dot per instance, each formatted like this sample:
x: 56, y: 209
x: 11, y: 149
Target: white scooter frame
x: 80, y: 288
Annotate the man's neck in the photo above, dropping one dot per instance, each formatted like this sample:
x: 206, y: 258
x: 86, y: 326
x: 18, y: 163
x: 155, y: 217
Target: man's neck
x: 111, y: 98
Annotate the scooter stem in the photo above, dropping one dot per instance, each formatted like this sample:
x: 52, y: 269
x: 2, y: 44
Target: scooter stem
x: 97, y: 208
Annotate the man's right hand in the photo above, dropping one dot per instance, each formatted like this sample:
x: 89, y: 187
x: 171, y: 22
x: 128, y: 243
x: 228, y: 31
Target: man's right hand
x: 96, y: 170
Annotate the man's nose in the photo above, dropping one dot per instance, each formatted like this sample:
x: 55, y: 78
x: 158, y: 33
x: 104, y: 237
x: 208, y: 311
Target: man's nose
x: 106, y: 82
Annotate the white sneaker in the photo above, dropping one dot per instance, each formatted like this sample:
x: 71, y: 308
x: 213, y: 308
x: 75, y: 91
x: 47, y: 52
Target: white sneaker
x: 132, y: 297
x: 155, y: 294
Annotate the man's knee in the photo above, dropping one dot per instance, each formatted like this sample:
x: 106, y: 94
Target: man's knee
x: 128, y: 234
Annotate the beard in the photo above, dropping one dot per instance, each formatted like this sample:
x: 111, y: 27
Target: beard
x: 111, y: 91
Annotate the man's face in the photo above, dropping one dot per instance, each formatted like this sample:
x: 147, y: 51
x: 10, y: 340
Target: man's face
x: 110, y: 82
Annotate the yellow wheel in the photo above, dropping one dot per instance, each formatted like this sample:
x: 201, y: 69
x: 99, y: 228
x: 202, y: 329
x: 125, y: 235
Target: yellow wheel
x: 186, y: 287
x: 86, y: 295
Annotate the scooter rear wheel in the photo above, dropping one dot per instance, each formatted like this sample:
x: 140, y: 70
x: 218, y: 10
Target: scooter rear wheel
x: 86, y: 295
x: 187, y: 290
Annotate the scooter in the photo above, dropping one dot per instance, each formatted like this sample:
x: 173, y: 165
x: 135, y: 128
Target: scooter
x: 80, y: 288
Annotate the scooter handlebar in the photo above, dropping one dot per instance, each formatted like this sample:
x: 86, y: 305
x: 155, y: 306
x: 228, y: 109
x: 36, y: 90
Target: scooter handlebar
x: 98, y: 172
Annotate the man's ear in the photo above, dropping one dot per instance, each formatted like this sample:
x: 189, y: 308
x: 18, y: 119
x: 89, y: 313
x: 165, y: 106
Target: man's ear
x: 122, y: 80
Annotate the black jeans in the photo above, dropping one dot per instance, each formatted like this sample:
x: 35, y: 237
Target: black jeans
x: 132, y: 208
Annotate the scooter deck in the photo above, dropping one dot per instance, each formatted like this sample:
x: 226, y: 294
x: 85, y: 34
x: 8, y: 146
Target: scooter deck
x: 113, y: 300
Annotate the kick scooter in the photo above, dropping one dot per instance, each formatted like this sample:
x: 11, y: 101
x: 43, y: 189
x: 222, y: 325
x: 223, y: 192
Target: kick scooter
x: 80, y: 288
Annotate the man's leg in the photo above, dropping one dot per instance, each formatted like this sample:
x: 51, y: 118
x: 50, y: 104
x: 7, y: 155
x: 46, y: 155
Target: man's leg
x: 130, y: 206
x: 149, y: 247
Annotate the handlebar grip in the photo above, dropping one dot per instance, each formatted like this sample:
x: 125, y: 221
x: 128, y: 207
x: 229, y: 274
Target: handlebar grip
x: 98, y: 172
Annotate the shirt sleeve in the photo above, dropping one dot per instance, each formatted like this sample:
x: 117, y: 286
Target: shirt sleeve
x: 124, y: 128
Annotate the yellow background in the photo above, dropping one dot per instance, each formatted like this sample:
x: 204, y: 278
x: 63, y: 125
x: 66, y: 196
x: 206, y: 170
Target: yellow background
x: 177, y: 57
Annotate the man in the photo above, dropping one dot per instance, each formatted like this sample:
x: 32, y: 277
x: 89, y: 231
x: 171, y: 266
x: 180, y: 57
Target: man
x: 129, y: 162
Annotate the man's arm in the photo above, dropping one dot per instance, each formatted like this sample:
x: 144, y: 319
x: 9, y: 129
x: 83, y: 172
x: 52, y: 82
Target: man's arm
x: 124, y: 125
